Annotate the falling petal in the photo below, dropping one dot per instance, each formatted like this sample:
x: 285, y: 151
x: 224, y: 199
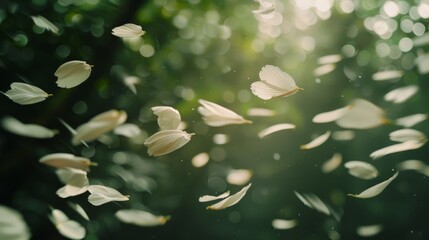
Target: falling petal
x: 65, y: 160
x: 130, y: 82
x: 369, y: 230
x: 324, y: 69
x: 12, y: 225
x: 66, y: 227
x: 167, y: 141
x: 374, y: 190
x: 25, y: 94
x: 200, y: 160
x: 127, y: 130
x: 344, y: 135
x: 328, y: 59
x: 141, y: 218
x: 209, y: 198
x: 260, y: 112
x: 231, y: 200
x: 274, y: 83
x: 72, y: 73
x: 400, y: 147
x: 362, y: 115
x: 283, y: 224
x: 361, y: 169
x: 79, y: 210
x: 411, y: 120
x: 314, y: 202
x: 128, y: 30
x: 239, y: 176
x: 27, y: 130
x: 317, y: 141
x: 44, y: 23
x: 168, y: 117
x: 77, y: 184
x: 215, y: 115
x: 333, y: 163
x: 102, y: 194
x: 275, y: 128
x: 406, y: 134
x: 331, y: 116
x: 387, y: 75
x: 402, y: 94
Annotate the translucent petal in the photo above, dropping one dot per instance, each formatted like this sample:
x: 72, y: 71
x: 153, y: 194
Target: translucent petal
x: 402, y: 94
x: 344, y: 135
x: 200, y: 160
x: 333, y: 163
x: 44, y: 23
x: 334, y: 58
x: 76, y: 185
x: 64, y: 160
x: 231, y: 200
x: 168, y: 117
x: 361, y: 169
x: 26, y: 130
x: 314, y: 202
x: 400, y: 147
x: 128, y: 30
x: 130, y: 82
x: 127, y: 130
x: 79, y: 210
x: 66, y: 227
x: 25, y: 94
x: 215, y: 115
x: 369, y: 230
x: 275, y: 128
x: 331, y: 115
x: 102, y: 194
x: 362, y: 115
x: 72, y: 73
x: 406, y: 134
x: 374, y: 190
x: 317, y: 141
x: 239, y: 176
x: 167, y: 141
x: 12, y: 225
x: 208, y: 198
x: 411, y: 120
x: 141, y: 218
x: 324, y: 69
x: 283, y: 224
x: 260, y: 112
x: 387, y: 75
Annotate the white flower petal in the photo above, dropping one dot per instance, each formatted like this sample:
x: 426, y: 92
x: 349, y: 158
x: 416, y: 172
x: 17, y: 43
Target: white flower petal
x: 44, y: 23
x: 260, y: 112
x: 331, y: 116
x: 77, y: 184
x: 275, y: 128
x: 102, y: 194
x: 274, y: 83
x: 400, y: 147
x: 386, y: 75
x: 128, y: 30
x: 72, y: 73
x: 312, y: 201
x: 333, y: 163
x: 231, y: 200
x: 374, y: 190
x: 317, y: 141
x: 166, y: 141
x: 239, y: 176
x: 79, y: 210
x: 416, y: 165
x: 127, y: 130
x: 411, y: 120
x: 362, y: 115
x: 208, y: 198
x: 27, y: 130
x: 130, y: 82
x: 334, y: 58
x: 98, y: 125
x: 406, y: 134
x: 361, y: 169
x: 141, y: 218
x: 283, y: 224
x: 66, y: 227
x: 215, y: 115
x: 65, y: 160
x: 200, y: 160
x: 168, y: 117
x: 402, y: 94
x: 12, y: 225
x: 369, y: 230
x: 25, y: 94
x: 344, y: 135
x: 324, y: 69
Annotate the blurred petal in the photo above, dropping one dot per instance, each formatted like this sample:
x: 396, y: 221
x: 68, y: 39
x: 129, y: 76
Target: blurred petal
x: 333, y: 163
x: 411, y: 120
x: 374, y: 190
x: 26, y: 130
x: 239, y: 176
x: 208, y: 198
x: 140, y: 218
x: 12, y: 225
x: 102, y: 194
x: 231, y: 200
x: 362, y: 115
x: 361, y: 169
x: 402, y: 94
x: 128, y: 30
x: 168, y: 117
x: 215, y: 115
x: 317, y: 141
x: 275, y: 128
x: 64, y: 160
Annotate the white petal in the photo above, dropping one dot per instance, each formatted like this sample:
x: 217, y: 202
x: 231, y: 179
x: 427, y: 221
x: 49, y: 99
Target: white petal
x: 66, y: 227
x: 127, y: 130
x: 369, y: 230
x: 324, y: 69
x: 239, y: 176
x: 128, y: 30
x: 333, y: 163
x: 200, y: 160
x: 402, y: 94
x: 400, y: 147
x: 386, y: 75
x: 44, y: 23
x: 12, y: 225
x: 344, y: 135
x: 260, y: 112
x: 374, y: 190
x: 25, y: 94
x: 215, y: 115
x: 406, y: 134
x: 76, y: 185
x: 166, y: 141
x: 362, y: 115
x: 208, y: 198
x: 334, y: 58
x: 102, y: 194
x: 141, y: 218
x: 64, y: 160
x: 275, y: 128
x: 274, y: 83
x: 411, y: 120
x: 231, y: 200
x: 99, y: 125
x: 79, y: 210
x: 72, y: 73
x: 130, y: 82
x: 331, y: 116
x: 283, y: 224
x: 361, y: 169
x: 168, y: 117
x: 317, y: 141
x: 411, y: 165
x: 27, y: 130
x: 312, y: 201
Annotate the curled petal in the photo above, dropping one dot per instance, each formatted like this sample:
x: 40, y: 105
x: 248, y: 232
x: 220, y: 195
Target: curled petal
x: 166, y: 141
